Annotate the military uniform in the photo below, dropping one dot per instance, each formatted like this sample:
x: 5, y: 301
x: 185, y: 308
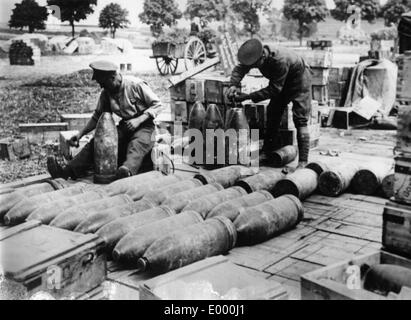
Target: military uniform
x: 133, y: 99
x: 289, y: 81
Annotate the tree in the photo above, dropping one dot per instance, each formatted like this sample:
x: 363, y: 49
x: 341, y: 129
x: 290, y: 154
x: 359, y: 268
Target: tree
x: 74, y: 10
x: 305, y: 13
x: 249, y: 12
x: 393, y: 9
x: 28, y: 14
x: 206, y: 10
x: 274, y: 19
x: 369, y: 9
x: 113, y: 17
x: 158, y: 13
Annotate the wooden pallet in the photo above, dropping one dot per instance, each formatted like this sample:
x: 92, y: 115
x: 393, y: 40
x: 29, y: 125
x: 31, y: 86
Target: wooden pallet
x: 404, y: 79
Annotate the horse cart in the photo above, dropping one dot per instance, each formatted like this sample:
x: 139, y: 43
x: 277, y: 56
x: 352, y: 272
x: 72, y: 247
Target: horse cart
x: 167, y: 54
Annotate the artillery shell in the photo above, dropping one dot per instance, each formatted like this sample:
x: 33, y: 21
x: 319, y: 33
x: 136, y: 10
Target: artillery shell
x: 206, y: 203
x: 190, y: 244
x: 49, y: 211
x: 70, y: 218
x: 264, y: 221
x: 301, y: 183
x: 226, y: 176
x: 160, y: 195
x: 369, y: 179
x: 265, y: 180
x: 337, y: 179
x: 133, y: 245
x: 112, y: 232
x: 97, y: 220
x: 283, y: 156
x: 178, y: 201
x: 127, y: 184
x: 23, y: 209
x: 231, y: 208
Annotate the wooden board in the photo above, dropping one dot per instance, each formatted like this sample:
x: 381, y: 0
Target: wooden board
x: 189, y: 73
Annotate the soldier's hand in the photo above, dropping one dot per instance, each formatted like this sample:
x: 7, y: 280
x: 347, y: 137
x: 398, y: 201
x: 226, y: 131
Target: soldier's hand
x: 133, y: 124
x: 230, y: 93
x: 74, y: 141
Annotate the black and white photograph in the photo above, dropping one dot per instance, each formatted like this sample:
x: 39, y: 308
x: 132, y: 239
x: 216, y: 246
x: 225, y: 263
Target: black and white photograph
x: 217, y: 150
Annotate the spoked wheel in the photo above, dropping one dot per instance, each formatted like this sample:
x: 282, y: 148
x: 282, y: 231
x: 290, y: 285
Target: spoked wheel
x: 166, y: 65
x: 194, y: 53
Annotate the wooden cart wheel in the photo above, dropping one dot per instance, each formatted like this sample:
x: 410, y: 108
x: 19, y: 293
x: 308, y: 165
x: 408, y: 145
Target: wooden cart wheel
x: 194, y: 53
x: 166, y: 65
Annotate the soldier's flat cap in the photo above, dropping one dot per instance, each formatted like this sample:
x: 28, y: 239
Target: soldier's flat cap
x: 103, y: 65
x: 250, y: 51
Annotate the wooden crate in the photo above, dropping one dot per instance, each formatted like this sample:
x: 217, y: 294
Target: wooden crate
x: 178, y: 91
x: 42, y: 132
x: 396, y: 231
x: 404, y: 78
x: 330, y: 283
x: 76, y: 121
x: 179, y: 111
x: 317, y: 58
x: 404, y: 129
x: 320, y: 93
x: 196, y: 281
x: 402, y: 180
x: 39, y: 258
x: 215, y: 89
x: 195, y: 90
x: 14, y: 149
x: 340, y: 74
x: 320, y: 76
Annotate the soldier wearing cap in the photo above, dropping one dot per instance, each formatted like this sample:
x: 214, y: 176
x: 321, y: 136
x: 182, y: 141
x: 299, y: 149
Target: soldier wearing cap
x: 136, y: 104
x: 290, y: 81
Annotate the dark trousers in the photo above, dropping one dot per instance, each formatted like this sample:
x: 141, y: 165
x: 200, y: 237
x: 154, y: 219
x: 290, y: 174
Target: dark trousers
x: 300, y: 95
x: 134, y: 150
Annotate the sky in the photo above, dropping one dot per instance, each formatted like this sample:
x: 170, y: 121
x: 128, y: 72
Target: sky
x: 134, y: 7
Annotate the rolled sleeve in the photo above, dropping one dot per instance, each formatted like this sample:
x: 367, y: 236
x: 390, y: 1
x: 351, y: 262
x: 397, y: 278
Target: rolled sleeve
x: 151, y: 101
x: 102, y: 105
x: 275, y: 85
x: 238, y: 74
